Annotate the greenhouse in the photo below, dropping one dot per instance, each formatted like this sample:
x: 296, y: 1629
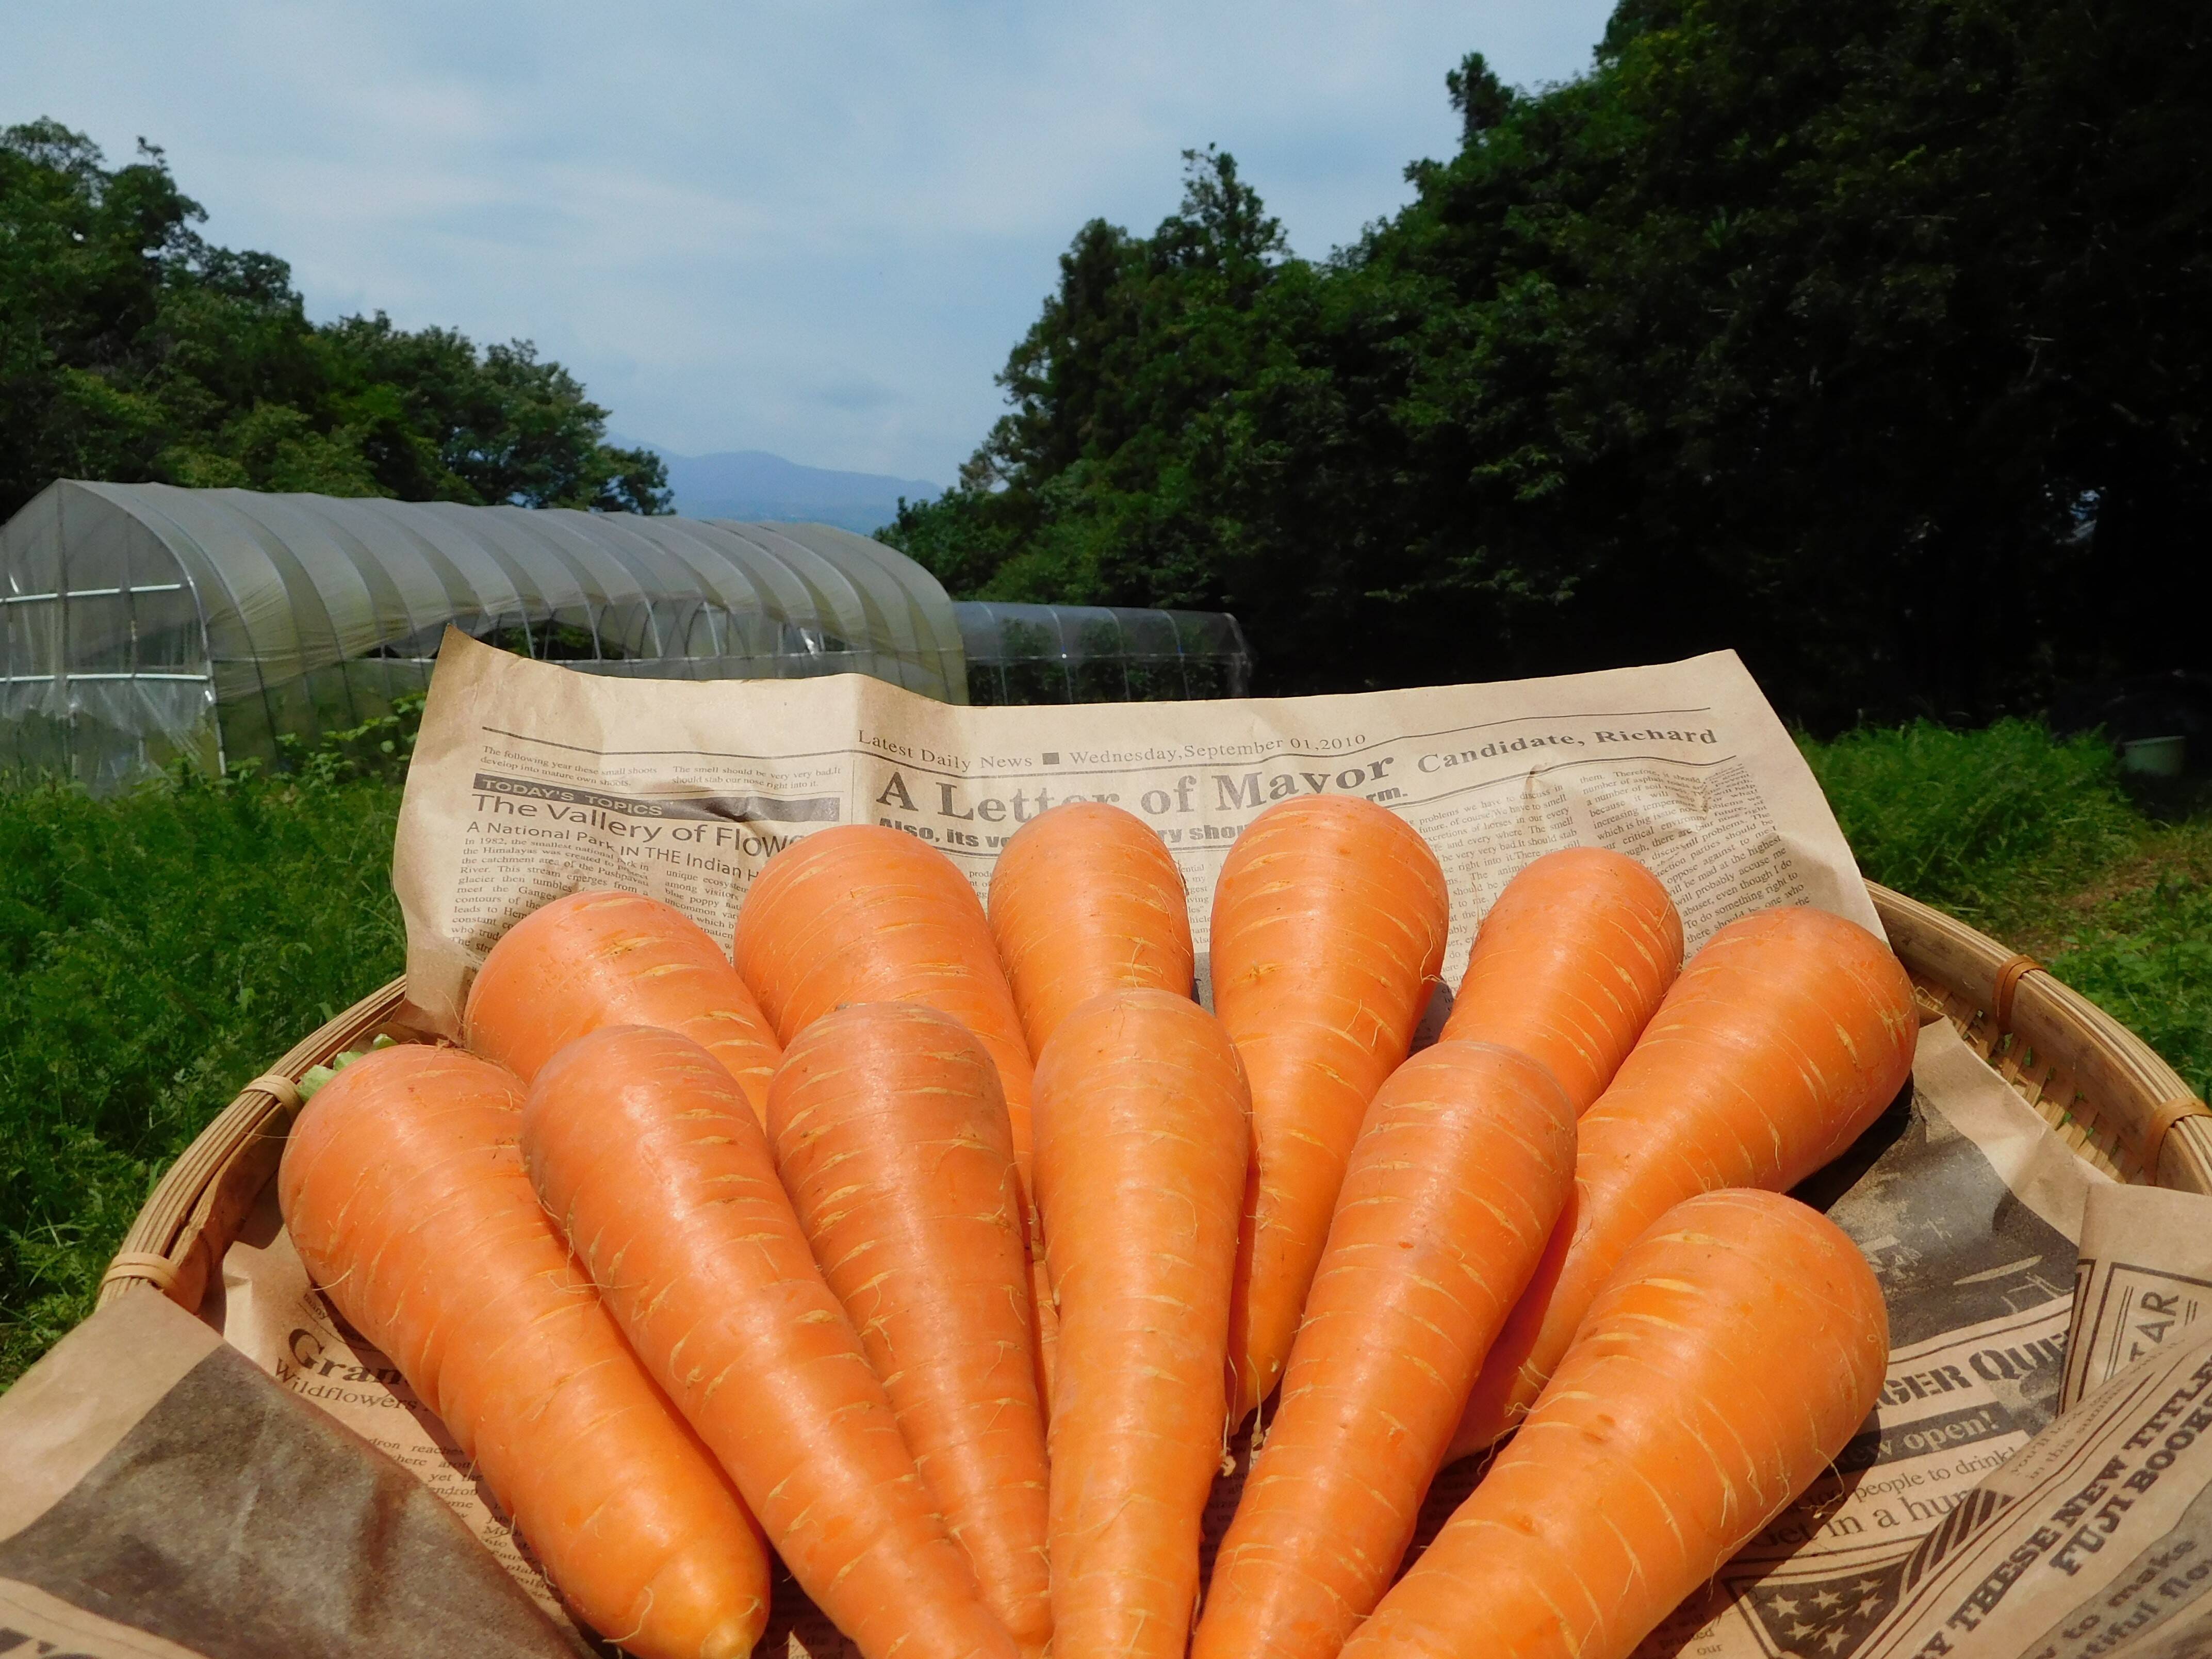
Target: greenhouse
x: 147, y: 624
x: 1087, y: 653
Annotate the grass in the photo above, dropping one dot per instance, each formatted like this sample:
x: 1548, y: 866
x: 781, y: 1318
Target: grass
x: 161, y: 948
x: 2146, y: 958
x: 2040, y: 842
x: 1993, y: 826
x: 156, y: 952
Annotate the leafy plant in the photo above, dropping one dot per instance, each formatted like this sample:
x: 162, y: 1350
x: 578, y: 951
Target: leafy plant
x: 377, y: 749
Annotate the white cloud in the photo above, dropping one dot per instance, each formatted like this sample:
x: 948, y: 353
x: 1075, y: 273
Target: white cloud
x: 813, y: 229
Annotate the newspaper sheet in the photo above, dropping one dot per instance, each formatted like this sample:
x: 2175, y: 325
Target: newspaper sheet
x: 160, y: 1498
x: 2146, y: 1277
x: 530, y: 781
x: 2095, y: 1541
x: 267, y: 1309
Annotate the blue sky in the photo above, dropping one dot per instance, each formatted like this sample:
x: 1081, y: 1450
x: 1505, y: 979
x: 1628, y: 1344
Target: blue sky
x: 814, y: 227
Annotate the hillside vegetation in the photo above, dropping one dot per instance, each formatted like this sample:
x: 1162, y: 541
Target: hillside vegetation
x: 1871, y: 337
x: 134, y: 350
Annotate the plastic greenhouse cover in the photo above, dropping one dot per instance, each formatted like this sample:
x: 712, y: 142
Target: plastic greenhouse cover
x: 144, y: 621
x: 1096, y: 654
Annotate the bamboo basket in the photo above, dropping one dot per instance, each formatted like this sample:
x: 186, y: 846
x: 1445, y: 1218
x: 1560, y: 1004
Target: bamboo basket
x: 2114, y: 1102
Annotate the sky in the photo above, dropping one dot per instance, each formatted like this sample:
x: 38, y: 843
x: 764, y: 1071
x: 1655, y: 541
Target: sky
x: 814, y: 227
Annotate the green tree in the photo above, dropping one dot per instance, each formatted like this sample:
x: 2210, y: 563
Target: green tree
x: 1869, y: 336
x: 1101, y: 483
x: 133, y: 349
x: 1482, y: 99
x: 1094, y: 486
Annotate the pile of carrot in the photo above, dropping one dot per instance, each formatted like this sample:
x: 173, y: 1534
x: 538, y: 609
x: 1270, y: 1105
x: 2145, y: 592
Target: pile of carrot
x: 940, y: 1249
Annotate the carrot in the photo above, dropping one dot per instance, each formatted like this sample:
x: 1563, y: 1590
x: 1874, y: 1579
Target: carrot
x: 1570, y: 964
x: 648, y: 1155
x: 1141, y: 1158
x: 891, y: 1138
x: 863, y: 914
x: 1085, y: 898
x: 1467, y: 1157
x: 1782, y: 1040
x: 1045, y: 1312
x: 403, y: 1187
x: 1329, y: 924
x: 1736, y: 1347
x: 609, y: 958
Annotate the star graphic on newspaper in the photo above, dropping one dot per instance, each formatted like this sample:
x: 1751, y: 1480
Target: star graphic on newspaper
x: 1833, y: 1639
x: 1866, y: 1586
x: 1785, y: 1607
x: 1799, y: 1630
x: 1826, y: 1599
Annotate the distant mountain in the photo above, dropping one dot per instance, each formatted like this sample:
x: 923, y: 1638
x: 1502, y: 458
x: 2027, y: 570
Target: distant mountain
x: 754, y: 485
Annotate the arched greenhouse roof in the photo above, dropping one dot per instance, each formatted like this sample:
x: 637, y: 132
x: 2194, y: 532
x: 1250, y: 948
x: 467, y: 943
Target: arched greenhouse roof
x: 1098, y: 653
x: 145, y: 622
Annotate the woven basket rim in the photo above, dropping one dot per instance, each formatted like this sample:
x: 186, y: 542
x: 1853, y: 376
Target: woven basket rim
x: 2115, y: 1103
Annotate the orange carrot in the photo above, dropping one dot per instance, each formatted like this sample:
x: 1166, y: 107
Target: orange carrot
x: 863, y: 914
x: 1141, y: 1157
x: 1468, y: 1155
x: 1045, y: 1312
x: 1085, y: 899
x: 891, y: 1138
x: 1570, y: 964
x: 648, y: 1156
x: 1782, y: 1040
x: 608, y: 958
x: 1329, y: 925
x: 1736, y: 1347
x: 403, y: 1187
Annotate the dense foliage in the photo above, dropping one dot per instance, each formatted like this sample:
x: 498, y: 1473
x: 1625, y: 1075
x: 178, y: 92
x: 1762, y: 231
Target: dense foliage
x: 133, y: 350
x: 1869, y: 336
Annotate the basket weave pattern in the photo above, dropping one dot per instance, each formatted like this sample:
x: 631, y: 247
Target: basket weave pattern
x: 2101, y: 1087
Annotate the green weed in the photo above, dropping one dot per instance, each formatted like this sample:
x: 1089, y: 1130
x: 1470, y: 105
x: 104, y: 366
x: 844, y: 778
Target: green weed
x: 2146, y: 958
x: 1990, y: 825
x: 156, y: 951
